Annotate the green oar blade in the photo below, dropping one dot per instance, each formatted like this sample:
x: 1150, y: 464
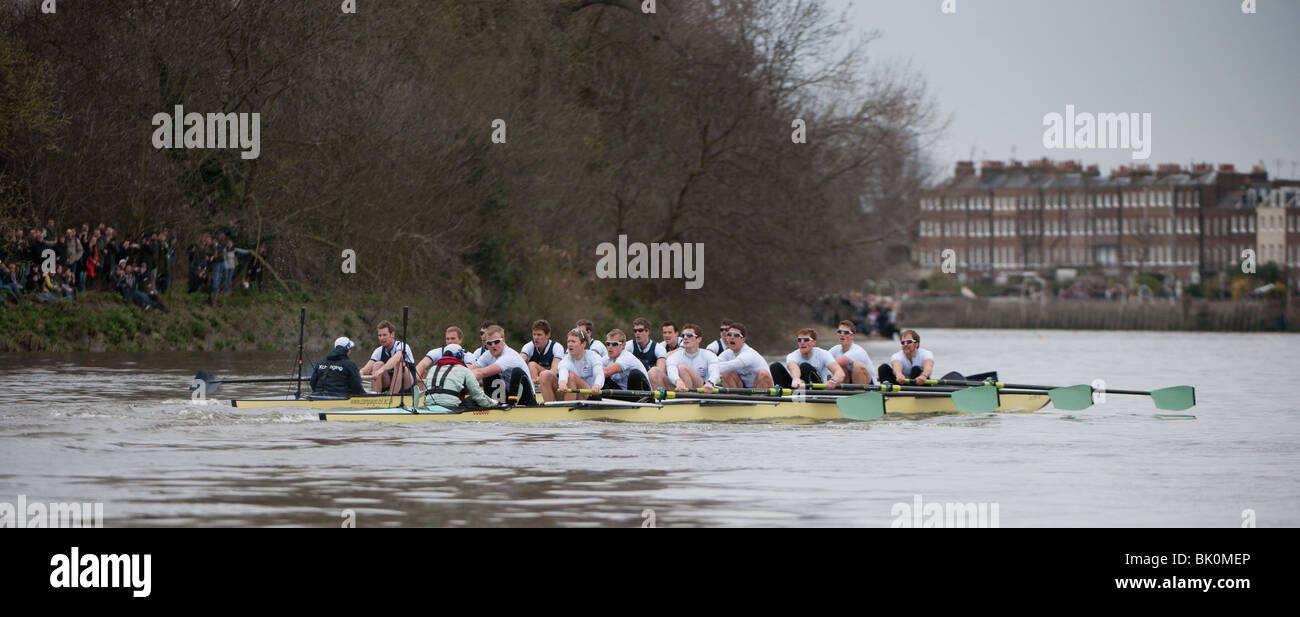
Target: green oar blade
x: 976, y: 400
x: 1176, y: 398
x: 1072, y: 398
x: 865, y: 406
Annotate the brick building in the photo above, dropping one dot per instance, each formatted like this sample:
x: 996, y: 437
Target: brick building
x: 1043, y: 215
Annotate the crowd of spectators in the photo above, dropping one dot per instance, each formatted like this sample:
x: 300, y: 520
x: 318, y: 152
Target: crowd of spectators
x: 44, y: 265
x: 870, y: 314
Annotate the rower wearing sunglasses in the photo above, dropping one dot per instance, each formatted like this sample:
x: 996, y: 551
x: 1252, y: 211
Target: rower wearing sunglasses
x: 720, y: 345
x: 739, y: 365
x: 502, y: 370
x: 653, y: 355
x: 693, y: 367
x: 809, y: 363
x: 581, y: 368
x: 851, y: 356
x: 911, y: 362
x: 625, y: 369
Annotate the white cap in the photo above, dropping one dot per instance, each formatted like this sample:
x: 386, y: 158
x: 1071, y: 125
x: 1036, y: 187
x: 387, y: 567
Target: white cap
x: 452, y: 349
x: 343, y: 342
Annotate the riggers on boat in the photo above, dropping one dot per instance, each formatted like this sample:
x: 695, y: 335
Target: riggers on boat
x: 681, y: 410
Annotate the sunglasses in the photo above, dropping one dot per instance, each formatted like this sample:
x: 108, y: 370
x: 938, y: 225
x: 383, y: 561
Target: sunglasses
x: 804, y: 339
x: 908, y: 340
x: 638, y: 329
x: 844, y: 332
x: 735, y: 334
x: 612, y: 343
x: 492, y: 342
x: 690, y: 335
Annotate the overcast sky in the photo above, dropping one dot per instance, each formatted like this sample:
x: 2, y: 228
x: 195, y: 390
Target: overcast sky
x: 1221, y: 86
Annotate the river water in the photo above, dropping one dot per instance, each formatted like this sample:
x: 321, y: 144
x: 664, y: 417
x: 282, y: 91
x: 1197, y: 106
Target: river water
x: 121, y: 429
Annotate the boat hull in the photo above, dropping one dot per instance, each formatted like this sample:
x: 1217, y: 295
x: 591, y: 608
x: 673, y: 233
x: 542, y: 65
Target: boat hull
x: 683, y: 411
x: 366, y: 401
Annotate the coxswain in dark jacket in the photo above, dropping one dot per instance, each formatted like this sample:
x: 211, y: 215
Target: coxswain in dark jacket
x: 337, y: 374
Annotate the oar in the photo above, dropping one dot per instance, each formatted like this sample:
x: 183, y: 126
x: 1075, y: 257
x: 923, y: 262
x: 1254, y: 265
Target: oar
x: 1075, y: 398
x: 972, y: 400
x: 302, y: 326
x: 211, y: 384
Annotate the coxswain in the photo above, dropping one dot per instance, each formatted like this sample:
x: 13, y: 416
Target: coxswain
x: 693, y: 367
x: 452, y: 335
x: 542, y: 353
x: 911, y: 362
x: 851, y: 356
x: 451, y: 384
x: 337, y: 374
x: 581, y: 368
x: 740, y: 366
x: 502, y: 370
x: 808, y: 363
x: 653, y: 355
x: 392, y: 365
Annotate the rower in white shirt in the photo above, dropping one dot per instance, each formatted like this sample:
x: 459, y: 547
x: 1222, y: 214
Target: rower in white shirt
x: 911, y: 362
x: 740, y: 365
x: 502, y: 371
x: 672, y: 339
x: 581, y: 368
x: 392, y: 365
x: 625, y: 370
x: 808, y: 363
x: 720, y: 345
x: 592, y: 343
x: 851, y: 356
x: 452, y: 335
x: 693, y: 367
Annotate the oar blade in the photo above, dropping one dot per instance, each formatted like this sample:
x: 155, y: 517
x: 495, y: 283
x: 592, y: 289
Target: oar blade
x: 210, y: 383
x: 976, y: 400
x: 865, y: 406
x: 1176, y: 398
x: 1072, y: 398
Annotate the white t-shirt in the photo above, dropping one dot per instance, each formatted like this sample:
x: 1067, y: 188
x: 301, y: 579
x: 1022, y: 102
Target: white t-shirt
x: 747, y: 365
x: 590, y: 368
x: 398, y: 346
x: 704, y: 363
x: 857, y: 354
x: 599, y: 348
x: 628, y: 364
x: 509, y: 359
x: 820, y: 359
x: 717, y: 347
x: 921, y: 356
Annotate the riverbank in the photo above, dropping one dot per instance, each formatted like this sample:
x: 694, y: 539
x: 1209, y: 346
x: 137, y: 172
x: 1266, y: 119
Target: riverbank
x: 1188, y: 315
x: 100, y: 321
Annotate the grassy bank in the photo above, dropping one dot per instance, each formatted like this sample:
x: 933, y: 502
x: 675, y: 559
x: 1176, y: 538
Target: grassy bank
x: 101, y: 321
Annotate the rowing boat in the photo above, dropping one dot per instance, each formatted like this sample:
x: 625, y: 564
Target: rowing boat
x: 324, y: 401
x: 683, y: 410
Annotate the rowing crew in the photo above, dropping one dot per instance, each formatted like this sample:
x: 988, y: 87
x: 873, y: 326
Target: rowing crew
x: 677, y: 362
